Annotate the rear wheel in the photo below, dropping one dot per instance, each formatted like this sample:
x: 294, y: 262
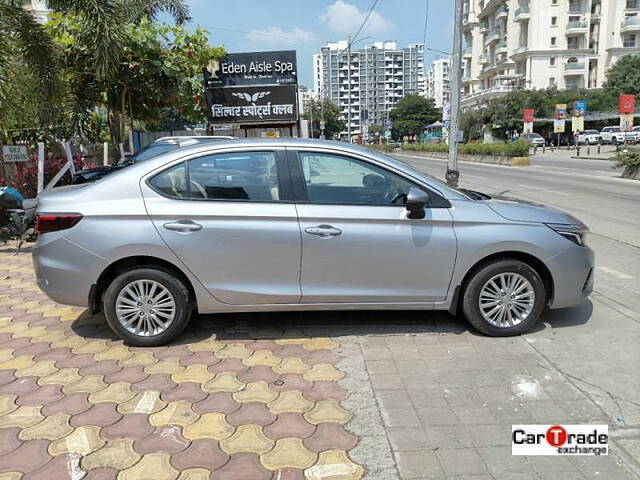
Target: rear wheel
x: 504, y: 298
x: 147, y: 306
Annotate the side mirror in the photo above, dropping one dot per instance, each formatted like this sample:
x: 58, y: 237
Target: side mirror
x: 416, y: 202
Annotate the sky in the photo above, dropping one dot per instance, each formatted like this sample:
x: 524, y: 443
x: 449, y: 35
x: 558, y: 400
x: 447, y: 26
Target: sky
x: 306, y: 25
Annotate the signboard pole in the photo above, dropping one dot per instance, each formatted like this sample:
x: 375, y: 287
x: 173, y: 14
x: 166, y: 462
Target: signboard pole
x: 40, y: 166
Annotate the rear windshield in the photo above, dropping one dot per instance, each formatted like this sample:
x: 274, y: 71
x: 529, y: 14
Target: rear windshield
x: 151, y: 151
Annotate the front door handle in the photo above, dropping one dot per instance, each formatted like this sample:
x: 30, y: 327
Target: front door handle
x: 183, y: 226
x: 323, y: 231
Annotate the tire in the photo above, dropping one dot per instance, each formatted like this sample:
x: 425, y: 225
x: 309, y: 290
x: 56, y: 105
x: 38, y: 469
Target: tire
x: 482, y: 276
x: 175, y: 288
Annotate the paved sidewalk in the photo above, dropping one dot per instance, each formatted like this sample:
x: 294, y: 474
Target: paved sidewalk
x: 244, y: 397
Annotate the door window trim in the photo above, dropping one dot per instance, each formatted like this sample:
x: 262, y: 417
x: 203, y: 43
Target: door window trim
x: 436, y: 200
x: 285, y: 186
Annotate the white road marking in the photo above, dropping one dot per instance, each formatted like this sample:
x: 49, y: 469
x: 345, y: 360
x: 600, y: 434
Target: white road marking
x: 147, y: 402
x: 615, y: 273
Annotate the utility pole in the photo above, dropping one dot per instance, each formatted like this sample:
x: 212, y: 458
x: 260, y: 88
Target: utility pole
x: 349, y: 89
x: 453, y: 174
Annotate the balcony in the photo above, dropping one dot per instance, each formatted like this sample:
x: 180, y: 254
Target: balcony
x: 467, y: 52
x: 502, y: 12
x: 484, y: 28
x: 576, y: 27
x: 502, y: 47
x: 519, y: 50
x: 483, y: 59
x: 630, y: 24
x: 522, y: 14
x: 493, y: 37
x: 574, y: 68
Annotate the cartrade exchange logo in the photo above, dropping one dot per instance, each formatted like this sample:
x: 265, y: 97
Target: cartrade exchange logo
x: 560, y: 440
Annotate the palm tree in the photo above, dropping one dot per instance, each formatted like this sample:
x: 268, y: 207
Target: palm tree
x: 25, y: 50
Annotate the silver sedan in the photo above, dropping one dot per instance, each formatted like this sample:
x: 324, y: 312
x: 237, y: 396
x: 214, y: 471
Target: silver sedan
x: 262, y: 225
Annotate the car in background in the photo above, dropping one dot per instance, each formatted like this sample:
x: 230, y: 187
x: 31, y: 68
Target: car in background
x: 270, y: 225
x: 614, y: 136
x: 589, y: 137
x: 158, y: 147
x: 535, y: 139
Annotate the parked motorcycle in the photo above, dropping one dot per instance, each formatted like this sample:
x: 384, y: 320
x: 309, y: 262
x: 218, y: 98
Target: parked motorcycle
x: 17, y: 216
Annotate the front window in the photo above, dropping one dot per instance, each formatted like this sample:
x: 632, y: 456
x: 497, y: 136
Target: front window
x: 334, y: 179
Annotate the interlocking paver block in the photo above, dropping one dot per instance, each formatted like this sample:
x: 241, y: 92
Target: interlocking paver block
x: 202, y: 453
x: 153, y: 466
x: 327, y: 411
x: 233, y: 350
x: 134, y: 425
x: 243, y: 466
x: 223, y: 382
x: 72, y: 404
x: 195, y: 474
x: 290, y: 401
x: 82, y: 440
x: 262, y: 357
x: 116, y: 392
x: 247, y: 438
x: 22, y: 417
x: 88, y: 384
x: 208, y: 345
x: 323, y: 371
x: 291, y: 365
x: 99, y: 415
x: 9, y: 440
x: 38, y: 369
x: 209, y: 425
x: 334, y: 464
x: 118, y: 454
x: 193, y: 373
x: 289, y: 424
x: 144, y: 402
x: 330, y: 436
x: 168, y: 366
x: 166, y: 438
x: 190, y: 391
x: 288, y: 453
x: 7, y: 404
x: 119, y: 352
x: 175, y: 413
x: 131, y: 374
x: 255, y: 413
x: 138, y: 358
x: 27, y: 457
x: 319, y: 343
x: 217, y: 402
x: 61, y: 466
x: 255, y: 392
x: 51, y: 428
x: 42, y: 396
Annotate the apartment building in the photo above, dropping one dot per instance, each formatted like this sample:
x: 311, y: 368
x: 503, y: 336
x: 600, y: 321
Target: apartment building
x: 372, y: 81
x: 39, y: 8
x: 514, y: 44
x: 438, y: 82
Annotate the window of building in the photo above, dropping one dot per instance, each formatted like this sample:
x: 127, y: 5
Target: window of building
x: 629, y: 40
x: 633, y: 3
x: 552, y: 81
x: 554, y: 21
x: 575, y: 5
x: 552, y: 61
x: 573, y: 43
x: 554, y: 41
x: 571, y: 83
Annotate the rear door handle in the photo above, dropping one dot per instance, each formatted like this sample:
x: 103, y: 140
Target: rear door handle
x: 323, y: 231
x: 183, y: 226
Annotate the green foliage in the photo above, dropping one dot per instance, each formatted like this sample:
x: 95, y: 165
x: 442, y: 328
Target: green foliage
x: 519, y: 148
x: 328, y: 110
x: 382, y: 147
x: 629, y: 157
x: 412, y: 113
x: 624, y: 76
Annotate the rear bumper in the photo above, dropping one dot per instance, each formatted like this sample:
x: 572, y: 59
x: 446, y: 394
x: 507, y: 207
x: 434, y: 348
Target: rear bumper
x: 64, y: 271
x: 572, y: 272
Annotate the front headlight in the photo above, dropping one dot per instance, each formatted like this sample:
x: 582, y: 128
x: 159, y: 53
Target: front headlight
x: 574, y: 233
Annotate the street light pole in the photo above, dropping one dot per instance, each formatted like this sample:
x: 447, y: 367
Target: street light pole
x: 453, y: 174
x: 349, y: 89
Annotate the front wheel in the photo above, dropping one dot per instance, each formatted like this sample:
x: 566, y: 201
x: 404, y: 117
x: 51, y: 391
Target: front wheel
x: 147, y: 307
x: 504, y: 298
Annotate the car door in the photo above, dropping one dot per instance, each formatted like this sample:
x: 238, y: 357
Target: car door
x: 230, y: 219
x: 358, y: 245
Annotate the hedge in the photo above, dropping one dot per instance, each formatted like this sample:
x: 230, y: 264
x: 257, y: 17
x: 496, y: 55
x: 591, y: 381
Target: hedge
x: 381, y: 147
x: 519, y: 148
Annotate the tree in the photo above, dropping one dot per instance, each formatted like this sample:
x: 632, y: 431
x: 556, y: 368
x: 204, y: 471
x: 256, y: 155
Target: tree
x: 26, y: 53
x: 412, y: 113
x: 328, y: 110
x: 624, y: 76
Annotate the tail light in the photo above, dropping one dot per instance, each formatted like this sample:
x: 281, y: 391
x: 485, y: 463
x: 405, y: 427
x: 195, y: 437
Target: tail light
x: 54, y: 222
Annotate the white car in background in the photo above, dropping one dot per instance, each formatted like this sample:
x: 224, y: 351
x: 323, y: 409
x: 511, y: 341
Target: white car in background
x: 615, y: 135
x: 589, y: 137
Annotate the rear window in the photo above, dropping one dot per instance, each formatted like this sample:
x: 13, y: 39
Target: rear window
x: 591, y: 132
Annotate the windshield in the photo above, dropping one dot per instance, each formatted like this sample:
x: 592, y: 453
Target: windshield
x: 591, y: 132
x: 150, y: 151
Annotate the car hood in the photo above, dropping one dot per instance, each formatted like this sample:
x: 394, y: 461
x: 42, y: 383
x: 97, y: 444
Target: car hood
x: 524, y: 211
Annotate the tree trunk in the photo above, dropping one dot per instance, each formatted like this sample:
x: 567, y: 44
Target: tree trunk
x: 123, y: 113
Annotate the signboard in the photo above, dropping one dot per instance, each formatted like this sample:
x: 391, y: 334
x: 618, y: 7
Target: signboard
x: 627, y: 103
x: 558, y: 126
x: 14, y: 153
x: 528, y: 127
x: 459, y: 136
x: 252, y: 104
x: 561, y: 112
x: 626, y: 122
x: 527, y: 115
x: 322, y: 125
x: 387, y: 134
x: 577, y: 124
x: 579, y: 108
x: 253, y: 68
x: 388, y: 124
x: 446, y: 112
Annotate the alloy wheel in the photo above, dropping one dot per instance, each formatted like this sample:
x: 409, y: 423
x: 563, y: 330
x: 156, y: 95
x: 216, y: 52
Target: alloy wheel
x: 145, y: 308
x: 506, y: 299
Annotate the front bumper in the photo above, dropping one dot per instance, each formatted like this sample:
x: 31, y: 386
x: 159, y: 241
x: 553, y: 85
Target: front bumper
x: 64, y: 271
x: 572, y: 272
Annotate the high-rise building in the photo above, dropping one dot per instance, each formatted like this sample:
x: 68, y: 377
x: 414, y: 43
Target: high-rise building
x: 39, y: 8
x: 541, y: 43
x: 438, y: 82
x: 376, y: 78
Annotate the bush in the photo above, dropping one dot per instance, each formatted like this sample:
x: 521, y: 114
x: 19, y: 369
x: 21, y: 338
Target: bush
x: 519, y: 148
x: 380, y: 147
x: 629, y: 160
